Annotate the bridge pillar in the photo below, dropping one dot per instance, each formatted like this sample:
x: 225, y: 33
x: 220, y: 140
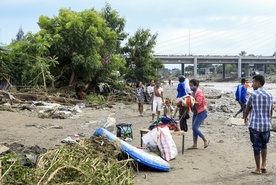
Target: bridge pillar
x: 223, y: 71
x: 239, y: 67
x: 183, y: 69
x: 247, y: 70
x: 265, y: 68
x: 195, y: 68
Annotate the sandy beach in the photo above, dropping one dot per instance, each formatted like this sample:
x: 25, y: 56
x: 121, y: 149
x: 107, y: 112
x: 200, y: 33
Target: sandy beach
x: 228, y: 160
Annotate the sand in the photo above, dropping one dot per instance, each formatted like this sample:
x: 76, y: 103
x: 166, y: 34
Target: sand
x: 228, y: 160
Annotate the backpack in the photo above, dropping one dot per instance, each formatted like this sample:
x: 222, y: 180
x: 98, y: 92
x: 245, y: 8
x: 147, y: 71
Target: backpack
x: 124, y: 130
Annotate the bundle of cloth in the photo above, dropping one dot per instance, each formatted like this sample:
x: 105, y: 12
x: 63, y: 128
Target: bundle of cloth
x: 165, y: 122
x: 184, y: 105
x: 186, y: 101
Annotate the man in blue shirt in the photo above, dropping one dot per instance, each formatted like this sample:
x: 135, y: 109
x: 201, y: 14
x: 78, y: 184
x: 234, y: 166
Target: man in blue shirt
x: 241, y: 97
x: 260, y: 107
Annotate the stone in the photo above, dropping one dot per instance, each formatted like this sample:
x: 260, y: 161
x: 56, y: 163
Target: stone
x: 234, y: 121
x: 3, y: 149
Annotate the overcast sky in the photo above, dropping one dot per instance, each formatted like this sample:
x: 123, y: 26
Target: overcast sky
x: 199, y: 27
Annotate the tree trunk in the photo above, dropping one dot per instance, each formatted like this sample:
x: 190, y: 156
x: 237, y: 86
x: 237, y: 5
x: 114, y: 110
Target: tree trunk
x: 72, y: 78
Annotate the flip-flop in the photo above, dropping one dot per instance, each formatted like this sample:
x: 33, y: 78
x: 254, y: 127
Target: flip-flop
x: 256, y: 173
x: 206, y: 145
x: 263, y: 170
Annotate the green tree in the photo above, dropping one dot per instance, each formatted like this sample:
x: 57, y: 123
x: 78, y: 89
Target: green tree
x: 6, y: 66
x: 20, y: 34
x: 140, y: 61
x: 33, y: 61
x: 115, y: 23
x: 228, y: 68
x: 242, y: 53
x: 83, y: 43
x: 201, y: 71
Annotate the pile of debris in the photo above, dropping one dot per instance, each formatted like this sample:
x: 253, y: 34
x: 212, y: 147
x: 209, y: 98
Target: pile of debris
x: 92, y: 161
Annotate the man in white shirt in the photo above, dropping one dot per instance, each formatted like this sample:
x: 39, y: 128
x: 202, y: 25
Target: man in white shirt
x: 150, y: 91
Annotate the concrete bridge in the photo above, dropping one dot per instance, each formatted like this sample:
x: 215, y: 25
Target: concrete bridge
x: 240, y: 61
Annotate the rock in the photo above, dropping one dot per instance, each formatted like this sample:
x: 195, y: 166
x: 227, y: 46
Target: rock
x: 234, y: 121
x: 212, y: 108
x: 224, y: 108
x: 3, y: 149
x: 273, y: 128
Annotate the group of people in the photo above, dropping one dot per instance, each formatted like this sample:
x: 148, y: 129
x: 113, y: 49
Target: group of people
x: 256, y: 112
x: 185, y: 87
x: 260, y: 108
x: 170, y: 81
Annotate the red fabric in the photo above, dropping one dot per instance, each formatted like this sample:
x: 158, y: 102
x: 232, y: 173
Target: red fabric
x: 179, y: 104
x: 188, y: 102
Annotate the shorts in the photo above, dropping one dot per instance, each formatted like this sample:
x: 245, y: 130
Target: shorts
x: 156, y: 105
x: 150, y: 100
x: 259, y: 140
x: 243, y: 106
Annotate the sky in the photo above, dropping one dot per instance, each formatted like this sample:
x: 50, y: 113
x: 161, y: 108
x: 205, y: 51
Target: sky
x: 198, y: 27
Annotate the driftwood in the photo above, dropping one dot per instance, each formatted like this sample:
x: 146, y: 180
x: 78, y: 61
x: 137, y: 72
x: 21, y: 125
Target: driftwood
x: 23, y: 97
x: 8, y: 95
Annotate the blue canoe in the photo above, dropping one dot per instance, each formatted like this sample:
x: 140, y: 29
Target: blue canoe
x: 147, y: 158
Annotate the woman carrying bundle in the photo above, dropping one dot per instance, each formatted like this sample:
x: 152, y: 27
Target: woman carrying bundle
x: 200, y: 114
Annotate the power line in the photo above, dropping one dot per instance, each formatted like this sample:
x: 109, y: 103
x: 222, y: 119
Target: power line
x: 206, y: 35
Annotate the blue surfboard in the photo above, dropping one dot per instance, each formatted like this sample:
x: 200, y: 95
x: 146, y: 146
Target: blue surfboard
x: 147, y: 158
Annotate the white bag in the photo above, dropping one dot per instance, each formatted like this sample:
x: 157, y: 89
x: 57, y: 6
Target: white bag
x: 150, y: 140
x: 166, y: 144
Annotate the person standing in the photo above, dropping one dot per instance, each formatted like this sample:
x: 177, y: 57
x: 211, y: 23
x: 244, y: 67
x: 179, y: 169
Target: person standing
x: 158, y: 100
x: 150, y: 89
x: 241, y: 97
x: 200, y: 114
x: 187, y: 86
x: 181, y: 90
x: 260, y: 108
x: 140, y: 98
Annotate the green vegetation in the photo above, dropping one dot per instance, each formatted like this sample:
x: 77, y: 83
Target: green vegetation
x: 79, y: 47
x: 95, y: 161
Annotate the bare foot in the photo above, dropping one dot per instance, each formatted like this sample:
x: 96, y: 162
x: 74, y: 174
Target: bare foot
x: 192, y: 147
x: 256, y: 172
x: 206, y: 143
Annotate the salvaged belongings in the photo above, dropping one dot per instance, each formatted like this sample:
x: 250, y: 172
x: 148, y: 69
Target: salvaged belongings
x: 160, y: 141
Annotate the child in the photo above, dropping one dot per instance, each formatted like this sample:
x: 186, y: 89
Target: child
x: 140, y: 97
x: 168, y: 109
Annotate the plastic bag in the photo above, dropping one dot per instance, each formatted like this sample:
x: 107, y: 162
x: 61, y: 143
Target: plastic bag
x: 166, y: 144
x: 150, y: 140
